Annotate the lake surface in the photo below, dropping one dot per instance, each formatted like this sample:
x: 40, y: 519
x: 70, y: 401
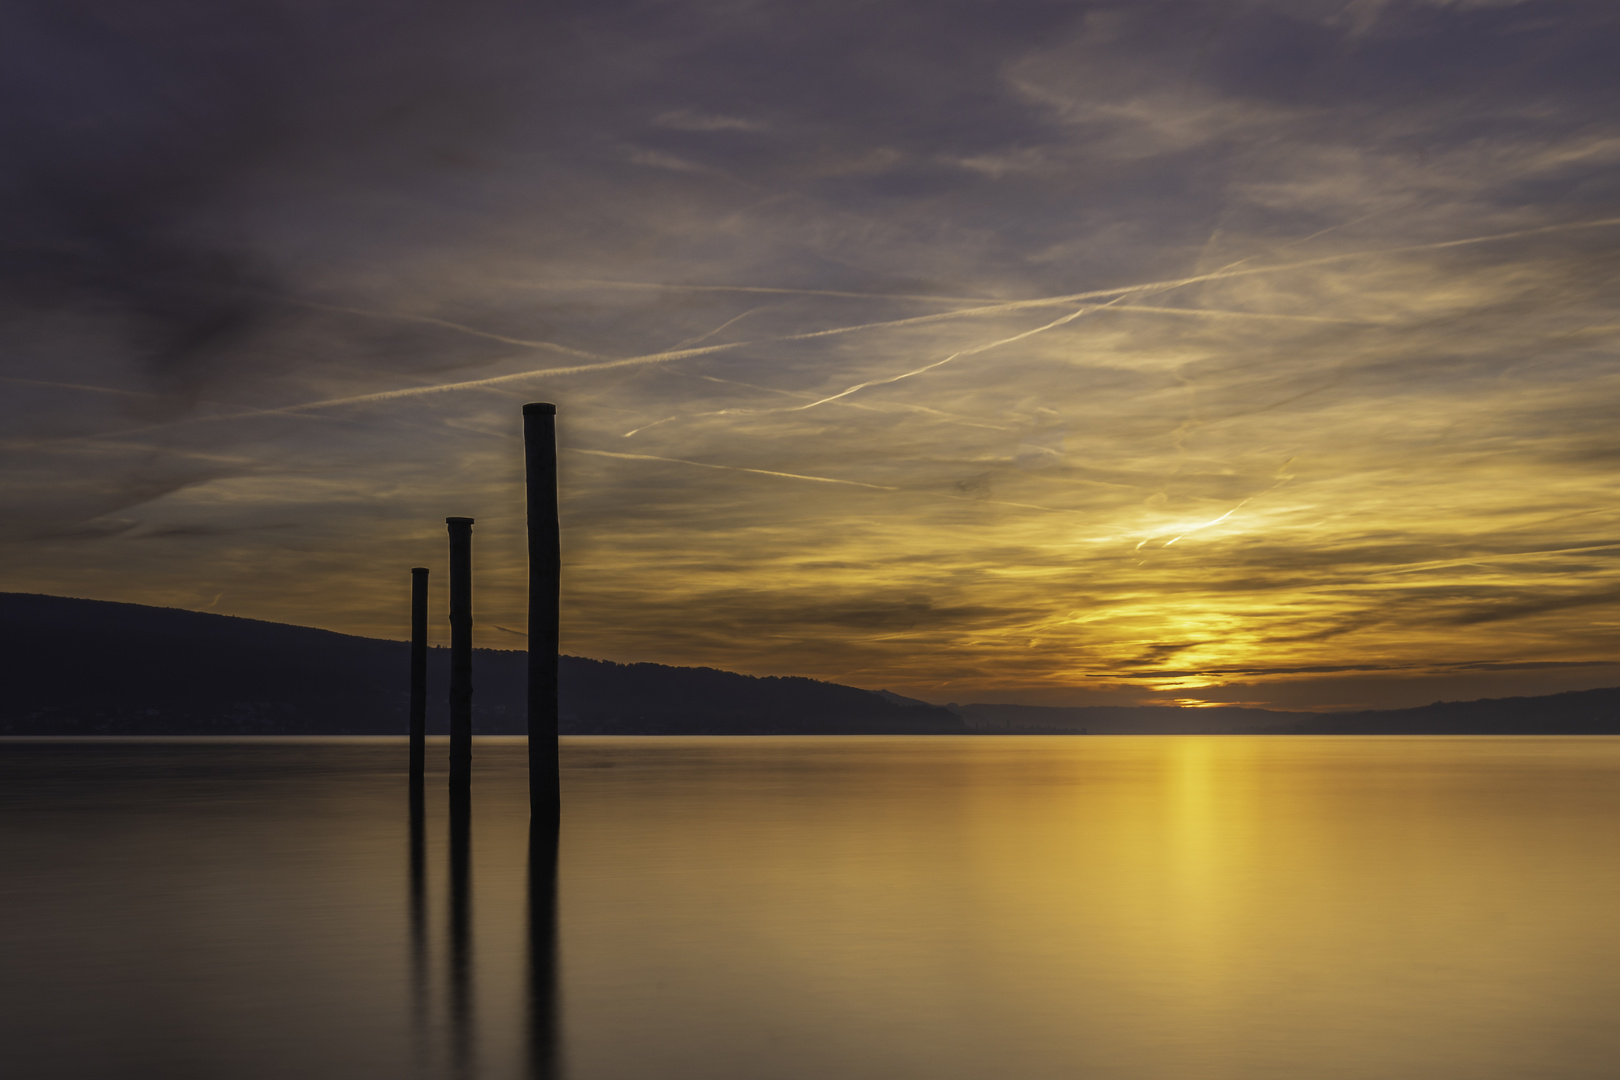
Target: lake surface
x: 1106, y: 908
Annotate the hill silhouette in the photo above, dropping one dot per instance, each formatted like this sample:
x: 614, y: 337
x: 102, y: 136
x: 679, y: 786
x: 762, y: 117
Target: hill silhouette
x: 91, y: 667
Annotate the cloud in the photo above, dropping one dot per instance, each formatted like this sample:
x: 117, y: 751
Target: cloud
x: 688, y: 120
x: 657, y: 159
x: 1108, y: 351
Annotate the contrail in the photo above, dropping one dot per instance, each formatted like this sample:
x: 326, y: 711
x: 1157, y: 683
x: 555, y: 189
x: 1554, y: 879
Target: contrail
x: 575, y: 283
x: 694, y: 341
x: 1438, y: 564
x: 1005, y: 306
x: 1216, y: 313
x: 533, y: 373
x: 1114, y: 304
x: 1002, y: 307
x: 997, y: 308
x: 357, y: 399
x: 82, y: 387
x: 824, y: 480
x: 706, y: 350
x: 1228, y: 272
x: 1188, y: 532
x: 905, y: 406
x: 1207, y: 524
x: 909, y: 374
x: 111, y: 391
x: 294, y: 411
x: 429, y: 320
x: 83, y: 446
x: 628, y: 361
x: 599, y: 283
x: 737, y: 468
x: 716, y: 330
x: 64, y: 441
x: 1303, y: 239
x: 1070, y: 317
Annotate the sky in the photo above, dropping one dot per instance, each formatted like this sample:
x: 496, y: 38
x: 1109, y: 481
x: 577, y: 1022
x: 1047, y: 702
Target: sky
x: 1068, y: 353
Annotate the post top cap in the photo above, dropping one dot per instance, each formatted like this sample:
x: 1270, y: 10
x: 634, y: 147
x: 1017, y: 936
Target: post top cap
x: 458, y: 521
x: 539, y: 408
x: 419, y: 569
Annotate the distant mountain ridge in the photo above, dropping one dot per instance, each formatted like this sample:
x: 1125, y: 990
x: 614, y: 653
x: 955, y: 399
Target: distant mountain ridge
x: 1577, y: 712
x: 92, y: 667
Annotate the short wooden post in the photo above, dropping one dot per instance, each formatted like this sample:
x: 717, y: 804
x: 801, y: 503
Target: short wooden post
x: 545, y: 570
x: 461, y: 688
x: 418, y: 915
x: 419, y: 587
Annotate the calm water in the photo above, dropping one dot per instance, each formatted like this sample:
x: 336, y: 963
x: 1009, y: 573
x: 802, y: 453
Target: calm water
x: 802, y: 909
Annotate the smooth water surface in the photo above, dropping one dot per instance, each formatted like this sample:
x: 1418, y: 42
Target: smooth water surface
x: 798, y: 909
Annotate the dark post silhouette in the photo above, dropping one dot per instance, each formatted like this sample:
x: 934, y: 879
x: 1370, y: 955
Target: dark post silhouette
x: 545, y: 573
x: 462, y: 1040
x: 418, y: 917
x: 461, y: 689
x: 419, y: 584
x: 545, y: 1050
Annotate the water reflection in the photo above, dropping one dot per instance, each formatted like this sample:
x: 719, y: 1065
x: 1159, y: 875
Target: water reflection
x: 459, y: 1011
x: 418, y: 918
x: 1037, y: 909
x: 462, y: 1033
x: 544, y: 1051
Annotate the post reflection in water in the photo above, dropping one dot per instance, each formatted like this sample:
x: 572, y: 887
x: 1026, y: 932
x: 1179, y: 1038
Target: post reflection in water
x: 462, y: 1035
x: 1112, y: 908
x: 418, y: 920
x: 544, y: 1051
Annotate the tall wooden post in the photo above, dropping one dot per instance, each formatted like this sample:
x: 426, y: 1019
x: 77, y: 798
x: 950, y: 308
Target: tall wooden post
x: 545, y: 573
x: 461, y: 689
x: 419, y: 586
x: 544, y: 1049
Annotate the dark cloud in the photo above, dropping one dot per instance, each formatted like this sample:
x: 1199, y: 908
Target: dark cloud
x: 148, y: 146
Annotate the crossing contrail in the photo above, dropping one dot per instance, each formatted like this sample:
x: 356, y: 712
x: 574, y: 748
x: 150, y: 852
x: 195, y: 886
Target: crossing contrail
x: 842, y: 394
x: 728, y: 323
x: 766, y: 289
x: 1000, y: 307
x: 1070, y: 317
x: 1220, y: 313
x: 429, y: 320
x: 997, y: 308
x: 737, y: 468
x: 890, y: 406
x: 823, y: 480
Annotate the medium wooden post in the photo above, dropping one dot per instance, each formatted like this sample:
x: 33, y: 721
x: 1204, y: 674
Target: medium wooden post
x: 461, y: 689
x: 463, y: 1041
x: 418, y: 808
x: 419, y: 586
x: 545, y: 577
